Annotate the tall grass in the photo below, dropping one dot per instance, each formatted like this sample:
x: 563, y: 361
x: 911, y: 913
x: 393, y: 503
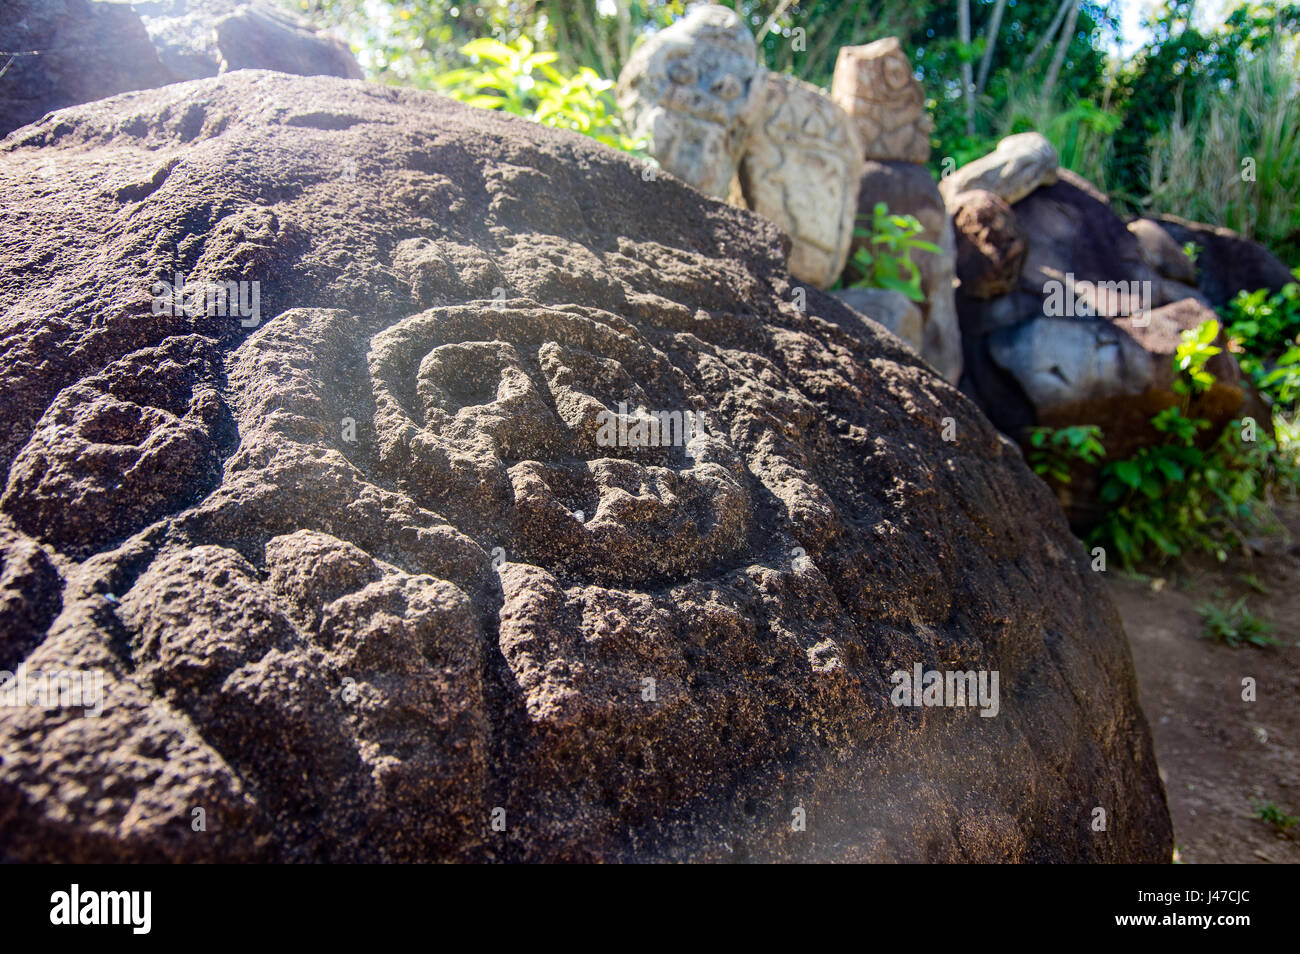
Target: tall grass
x: 1197, y: 166
x: 1079, y: 129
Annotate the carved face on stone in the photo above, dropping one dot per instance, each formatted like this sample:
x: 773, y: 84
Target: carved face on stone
x: 875, y: 85
x: 689, y: 91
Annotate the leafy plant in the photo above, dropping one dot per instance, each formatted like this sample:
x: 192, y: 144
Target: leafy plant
x: 1270, y: 814
x: 1281, y: 382
x: 1254, y: 582
x: 1053, y: 450
x: 1192, y: 354
x: 516, y: 78
x: 1236, y: 626
x: 886, y: 260
x: 1265, y: 322
x: 1262, y: 328
x: 1176, y: 497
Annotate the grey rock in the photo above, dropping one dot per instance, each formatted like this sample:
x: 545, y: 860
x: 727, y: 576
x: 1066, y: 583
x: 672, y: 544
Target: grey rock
x: 908, y: 189
x: 1019, y: 165
x: 892, y: 309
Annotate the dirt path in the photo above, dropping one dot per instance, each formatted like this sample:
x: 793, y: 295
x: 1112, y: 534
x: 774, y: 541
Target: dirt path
x: 1220, y: 755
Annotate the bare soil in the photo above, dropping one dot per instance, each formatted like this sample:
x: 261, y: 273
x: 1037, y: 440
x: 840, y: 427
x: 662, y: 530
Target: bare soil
x: 1219, y: 755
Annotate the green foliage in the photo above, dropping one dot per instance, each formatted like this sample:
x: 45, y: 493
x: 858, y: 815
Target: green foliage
x: 886, y: 261
x: 1265, y: 323
x: 1270, y: 814
x: 1229, y: 150
x: 1192, y: 354
x: 1281, y: 381
x: 1264, y: 327
x: 515, y: 78
x: 1236, y: 626
x: 1052, y: 451
x: 1196, y: 71
x: 1177, y: 497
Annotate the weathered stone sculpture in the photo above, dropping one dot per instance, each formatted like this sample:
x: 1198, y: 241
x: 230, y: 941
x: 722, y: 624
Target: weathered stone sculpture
x: 691, y: 92
x: 365, y: 583
x: 800, y: 169
x: 874, y: 85
x: 707, y: 110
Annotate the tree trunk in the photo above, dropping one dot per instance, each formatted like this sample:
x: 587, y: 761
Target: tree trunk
x: 967, y: 86
x: 1041, y: 46
x: 1067, y: 35
x: 991, y: 37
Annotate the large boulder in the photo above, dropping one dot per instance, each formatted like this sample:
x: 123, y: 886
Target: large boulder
x: 76, y: 51
x: 1226, y: 262
x: 1161, y: 252
x: 909, y: 189
x: 518, y: 512
x: 198, y: 38
x: 1067, y: 323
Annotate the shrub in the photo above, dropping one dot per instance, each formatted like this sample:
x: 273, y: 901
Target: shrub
x: 886, y: 261
x: 515, y: 78
x: 1236, y: 626
x: 1263, y: 328
x: 1052, y: 451
x: 1233, y: 158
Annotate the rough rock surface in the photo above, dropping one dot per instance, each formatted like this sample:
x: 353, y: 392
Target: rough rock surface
x: 90, y: 49
x: 363, y: 573
x: 800, y: 169
x: 1226, y: 262
x: 692, y: 91
x: 874, y: 84
x: 909, y: 189
x: 991, y: 245
x: 1019, y: 165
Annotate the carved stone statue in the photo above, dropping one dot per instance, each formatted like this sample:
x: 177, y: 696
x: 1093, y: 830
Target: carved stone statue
x: 874, y: 84
x: 690, y: 91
